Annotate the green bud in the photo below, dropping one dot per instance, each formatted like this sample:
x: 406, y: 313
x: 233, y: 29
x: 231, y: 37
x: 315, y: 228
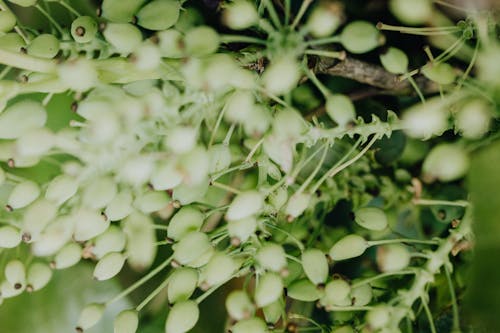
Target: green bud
x: 273, y: 311
x: 12, y: 42
x: 38, y: 276
x: 269, y: 289
x: 378, y: 317
x: 88, y: 224
x: 182, y: 317
x: 109, y: 266
x: 10, y: 237
x: 141, y: 239
x: 340, y: 109
x: 120, y: 207
x: 24, y: 3
x: 191, y: 247
x: 424, y: 120
x: 242, y: 229
x: 44, y: 46
x: 78, y: 74
x: 324, y: 20
x: 289, y: 124
x: 239, y: 306
x: 245, y: 205
x: 240, y: 14
x: 152, y: 201
x: 441, y: 73
x: 303, y: 290
x: 37, y: 216
x: 446, y: 162
x: 473, y: 119
x: 35, y: 143
x: 61, y: 189
x: 171, y: 43
x: 361, y: 295
x: 412, y: 12
x: 147, y: 57
x: 83, y: 29
x: 7, y: 21
x: 159, y: 14
x: 186, y: 193
x: 344, y: 329
x: 112, y: 240
x: 239, y: 106
x: 251, y: 325
x: 20, y: 118
x: 220, y: 158
x: 188, y: 219
x: 315, y: 265
x: 126, y: 321
x: 394, y: 60
x: 8, y: 291
x: 124, y: 37
x: 99, y: 192
x: 181, y: 284
x: 68, y: 256
x: 89, y: 316
x: 181, y: 139
x: 15, y: 274
x: 23, y: 194
x: 219, y: 269
x: 350, y: 246
x: 360, y: 37
x: 201, y: 41
x: 281, y: 76
x: 121, y: 11
x: 53, y: 237
x: 271, y: 257
x: 336, y: 292
x: 194, y: 165
x: 297, y: 204
x: 392, y: 257
x: 137, y: 170
x: 166, y: 176
x: 371, y: 218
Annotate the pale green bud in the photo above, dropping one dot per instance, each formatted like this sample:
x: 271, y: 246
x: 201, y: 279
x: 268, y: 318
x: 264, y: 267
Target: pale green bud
x: 242, y: 229
x: 473, y: 119
x: 412, y: 12
x: 99, y: 192
x: 112, y: 240
x: 340, y: 109
x: 297, y: 204
x: 251, y: 325
x: 23, y: 194
x: 166, y: 176
x: 24, y: 3
x: 38, y: 276
x: 141, y: 239
x: 361, y: 295
x: 61, y: 189
x: 258, y: 123
x: 192, y: 247
x: 78, y: 75
x: 43, y: 46
x: 11, y: 42
x: 441, y: 72
x: 89, y: 316
x: 239, y: 106
x: 7, y: 21
x: 120, y: 207
x: 15, y: 274
x: 245, y: 205
x: 194, y: 165
x: 360, y: 37
x: 201, y: 41
x: 344, y: 329
x: 395, y: 61
x: 269, y: 289
x: 303, y: 290
x: 220, y: 158
x: 124, y: 37
x: 315, y: 265
x: 136, y: 171
x: 151, y: 201
x: 126, y: 321
x: 146, y: 57
x: 272, y: 257
x: 120, y: 10
x: 273, y: 311
x: 188, y: 219
x: 219, y: 269
x: 21, y: 118
x: 181, y: 139
x: 159, y: 14
x: 35, y: 143
x: 181, y: 284
x: 239, y: 306
x: 83, y: 29
x: 37, y: 216
x: 446, y: 162
x: 392, y: 257
x: 10, y: 237
x: 53, y: 237
x: 336, y: 292
x: 8, y: 291
x: 289, y: 124
x: 182, y: 317
x: 186, y: 193
x: 372, y: 218
x: 378, y: 317
x: 424, y: 120
x: 109, y: 266
x: 88, y: 224
x: 2, y: 176
x: 282, y: 75
x: 171, y: 43
x: 279, y: 197
x: 240, y: 14
x: 324, y: 20
x: 68, y: 256
x: 348, y: 247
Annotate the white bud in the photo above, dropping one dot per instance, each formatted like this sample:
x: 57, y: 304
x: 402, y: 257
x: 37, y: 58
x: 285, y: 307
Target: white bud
x: 136, y: 171
x: 61, y: 189
x: 120, y: 207
x: 53, y: 238
x: 242, y: 229
x: 269, y: 289
x: 109, y: 266
x: 20, y: 118
x: 219, y: 269
x: 151, y: 201
x: 39, y: 275
x: 194, y: 165
x: 425, y: 120
x: 372, y: 218
x: 473, y: 119
x: 392, y: 257
x: 170, y: 43
x: 182, y: 284
x: 141, y: 239
x: 220, y: 158
x: 297, y: 204
x: 258, y: 123
x: 245, y: 205
x: 10, y: 237
x: 112, y: 240
x: 272, y: 257
x: 187, y: 219
x: 348, y: 247
x: 88, y: 224
x: 361, y: 295
x: 37, y: 216
x: 280, y: 151
x: 187, y: 194
x: 23, y: 194
x: 315, y: 265
x: 181, y: 139
x: 378, y: 317
x: 78, y: 75
x: 124, y: 37
x: 126, y: 321
x: 412, y: 12
x: 281, y: 76
x: 337, y: 292
x: 146, y: 57
x: 191, y: 248
x: 99, y: 192
x: 68, y: 256
x: 446, y: 162
x: 8, y: 291
x: 165, y: 175
x: 240, y: 14
x: 102, y: 130
x: 239, y: 106
x: 340, y: 109
x: 288, y: 124
x: 239, y: 306
x: 251, y: 325
x: 324, y: 20
x: 182, y: 317
x: 90, y: 315
x: 35, y: 143
x: 15, y: 274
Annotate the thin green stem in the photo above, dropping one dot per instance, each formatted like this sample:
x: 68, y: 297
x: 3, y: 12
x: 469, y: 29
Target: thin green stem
x: 152, y: 295
x: 429, y: 315
x: 329, y: 54
x: 323, y: 41
x: 272, y: 13
x: 314, y: 79
x: 225, y: 187
x: 69, y: 7
x: 315, y: 171
x: 302, y: 10
x: 51, y: 19
x: 292, y: 237
x: 454, y: 303
x: 430, y: 202
x: 417, y: 89
x: 382, y: 276
x: 227, y: 39
x: 402, y: 240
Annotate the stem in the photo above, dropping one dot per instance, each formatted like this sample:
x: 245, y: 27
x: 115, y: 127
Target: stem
x: 227, y: 39
x: 225, y: 187
x: 429, y: 315
x: 295, y: 240
x: 381, y: 276
x: 330, y: 54
x: 51, y: 20
x: 254, y: 150
x: 430, y: 202
x: 302, y: 11
x: 402, y: 240
x: 322, y: 41
x: 152, y: 295
x: 454, y: 304
x: 69, y: 8
x: 273, y: 14
x: 417, y: 89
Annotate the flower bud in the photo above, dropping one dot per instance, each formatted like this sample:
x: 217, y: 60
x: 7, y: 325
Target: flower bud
x: 186, y: 194
x: 152, y: 201
x: 350, y: 246
x: 340, y: 109
x: 68, y: 256
x: 182, y: 317
x: 181, y: 139
x: 10, y: 237
x: 361, y: 295
x: 303, y: 290
x: 424, y: 120
x: 378, y: 317
x: 242, y: 229
x: 37, y: 216
x: 21, y: 118
x: 271, y: 257
x: 336, y: 292
x: 83, y: 29
x: 251, y: 325
x: 194, y: 165
x: 89, y: 316
x: 441, y: 73
x: 360, y: 37
x: 324, y: 20
x: 412, y: 12
x: 141, y: 239
x: 372, y: 218
x: 193, y: 247
x: 159, y: 14
x: 245, y: 205
x: 269, y: 289
x: 219, y: 269
x: 99, y: 192
x: 7, y: 21
x: 281, y: 76
x: 61, y: 189
x: 38, y: 276
x: 124, y: 37
x: 126, y: 321
x: 297, y: 204
x: 120, y: 10
x: 239, y: 106
x: 136, y: 171
x: 258, y: 123
x: 181, y: 284
x: 289, y: 124
x: 112, y: 240
x: 188, y: 219
x: 35, y: 143
x: 238, y: 305
x: 109, y: 266
x: 43, y: 46
x: 392, y: 257
x: 171, y: 43
x: 12, y: 42
x: 53, y: 237
x: 201, y: 41
x: 315, y: 265
x: 8, y: 291
x: 394, y: 61
x: 24, y: 3
x: 273, y: 311
x: 15, y: 274
x: 165, y: 176
x: 473, y: 119
x: 88, y: 224
x: 240, y: 14
x: 446, y: 162
x: 78, y: 74
x: 120, y: 207
x: 23, y: 194
x: 220, y: 158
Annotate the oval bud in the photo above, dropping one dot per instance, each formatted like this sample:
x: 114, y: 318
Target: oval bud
x: 188, y: 219
x: 61, y: 189
x: 441, y: 73
x: 120, y: 207
x: 8, y: 291
x: 315, y: 265
x: 112, y: 240
x: 273, y: 311
x: 7, y: 20
x: 348, y: 247
x: 23, y: 194
x: 239, y: 106
x: 126, y: 321
x: 303, y: 290
x: 220, y: 158
x: 79, y: 74
x: 192, y: 247
x: 120, y: 10
x: 88, y: 224
x: 124, y: 37
x: 53, y: 237
x: 147, y: 57
x: 473, y: 119
x: 181, y: 139
x: 392, y: 257
x: 12, y: 42
x: 38, y: 276
x: 372, y: 218
x: 68, y: 256
x: 37, y: 216
x: 412, y: 12
x: 21, y: 118
x: 446, y: 162
x: 340, y: 109
x: 240, y: 14
x: 251, y: 325
x: 271, y: 257
x: 201, y: 41
x: 89, y: 316
x: 83, y: 29
x: 336, y: 292
x: 361, y: 295
x: 141, y: 239
x: 151, y: 202
x: 324, y: 20
x: 424, y: 120
x: 99, y: 192
x: 15, y: 274
x: 269, y: 289
x: 245, y: 205
x: 281, y: 76
x: 297, y: 204
x: 239, y: 306
x: 35, y: 143
x: 43, y: 46
x: 24, y: 3
x: 242, y: 229
x: 181, y: 284
x: 171, y: 43
x: 219, y: 269
x: 360, y: 37
x: 109, y: 266
x: 394, y: 61
x: 378, y: 317
x: 136, y: 171
x: 182, y: 317
x: 159, y: 14
x: 166, y: 176
x: 10, y: 237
